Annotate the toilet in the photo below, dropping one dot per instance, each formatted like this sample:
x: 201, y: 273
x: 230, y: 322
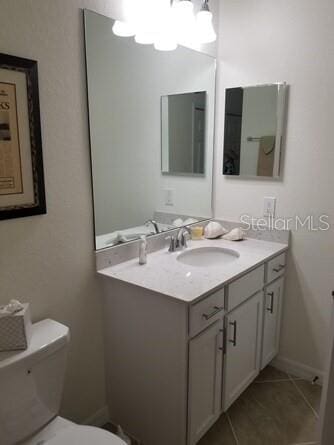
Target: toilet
x: 31, y: 384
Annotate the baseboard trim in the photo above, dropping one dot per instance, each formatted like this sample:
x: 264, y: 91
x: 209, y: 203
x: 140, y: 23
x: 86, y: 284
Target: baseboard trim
x: 297, y: 369
x: 100, y: 418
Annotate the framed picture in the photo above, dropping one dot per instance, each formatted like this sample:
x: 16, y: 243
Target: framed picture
x: 22, y: 191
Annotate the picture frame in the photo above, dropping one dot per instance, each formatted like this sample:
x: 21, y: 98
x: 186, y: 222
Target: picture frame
x: 22, y: 189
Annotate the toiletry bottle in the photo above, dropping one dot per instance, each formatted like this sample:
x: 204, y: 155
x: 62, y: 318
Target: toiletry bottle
x: 196, y: 233
x: 143, y: 250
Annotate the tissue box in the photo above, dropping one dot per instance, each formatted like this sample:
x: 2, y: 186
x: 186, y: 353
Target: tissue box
x: 15, y: 330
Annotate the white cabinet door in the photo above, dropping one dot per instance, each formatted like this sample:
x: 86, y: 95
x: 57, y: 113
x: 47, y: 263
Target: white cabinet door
x: 272, y: 321
x: 243, y: 347
x: 205, y: 380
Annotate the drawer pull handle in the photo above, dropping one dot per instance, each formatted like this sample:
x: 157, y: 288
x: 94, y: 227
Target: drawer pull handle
x: 234, y: 339
x: 271, y: 307
x: 213, y: 313
x: 279, y: 268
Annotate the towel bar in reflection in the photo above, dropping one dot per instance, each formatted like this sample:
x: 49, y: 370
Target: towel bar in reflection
x: 252, y: 139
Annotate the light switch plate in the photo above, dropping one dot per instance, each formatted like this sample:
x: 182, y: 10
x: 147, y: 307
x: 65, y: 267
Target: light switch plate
x: 269, y: 208
x: 169, y: 197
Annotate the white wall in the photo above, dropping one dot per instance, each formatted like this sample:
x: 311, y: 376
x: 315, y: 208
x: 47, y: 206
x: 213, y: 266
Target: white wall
x: 48, y: 260
x: 264, y: 41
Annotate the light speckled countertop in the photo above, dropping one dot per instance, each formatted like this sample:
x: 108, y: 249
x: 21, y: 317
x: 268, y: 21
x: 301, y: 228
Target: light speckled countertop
x: 163, y: 273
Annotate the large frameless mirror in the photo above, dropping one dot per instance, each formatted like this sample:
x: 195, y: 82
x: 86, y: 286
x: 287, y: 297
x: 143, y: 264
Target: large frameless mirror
x: 151, y: 116
x: 254, y: 123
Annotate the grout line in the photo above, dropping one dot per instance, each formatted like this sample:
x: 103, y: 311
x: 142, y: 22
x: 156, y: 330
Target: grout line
x: 305, y: 399
x: 232, y: 429
x: 259, y: 403
x: 274, y: 381
x: 306, y: 443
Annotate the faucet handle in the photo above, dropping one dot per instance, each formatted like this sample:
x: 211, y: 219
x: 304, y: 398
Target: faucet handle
x: 182, y: 235
x: 172, y: 244
x: 184, y: 238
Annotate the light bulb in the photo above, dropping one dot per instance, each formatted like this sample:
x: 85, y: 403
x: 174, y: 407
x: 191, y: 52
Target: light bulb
x: 165, y: 43
x: 145, y: 38
x: 148, y: 21
x: 184, y: 7
x: 123, y: 29
x: 184, y: 21
x: 205, y: 29
x: 166, y: 38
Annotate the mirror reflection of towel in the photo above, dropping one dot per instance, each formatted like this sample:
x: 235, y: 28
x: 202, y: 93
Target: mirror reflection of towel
x: 265, y: 164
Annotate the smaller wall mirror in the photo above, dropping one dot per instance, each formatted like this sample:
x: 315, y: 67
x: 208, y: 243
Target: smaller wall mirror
x: 183, y: 122
x: 254, y: 121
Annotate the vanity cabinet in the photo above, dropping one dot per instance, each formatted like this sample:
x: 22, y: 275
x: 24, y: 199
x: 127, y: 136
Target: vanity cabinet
x: 173, y: 366
x: 205, y: 380
x: 243, y: 347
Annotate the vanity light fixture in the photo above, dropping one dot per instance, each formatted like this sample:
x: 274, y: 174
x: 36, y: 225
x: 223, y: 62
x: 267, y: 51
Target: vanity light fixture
x: 184, y: 21
x: 166, y: 24
x: 205, y: 29
x: 166, y: 39
x: 165, y: 42
x: 145, y: 38
x: 123, y: 29
x: 147, y: 16
x: 183, y: 10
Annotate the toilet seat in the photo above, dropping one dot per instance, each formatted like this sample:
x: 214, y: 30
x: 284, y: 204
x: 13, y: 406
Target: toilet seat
x: 84, y: 435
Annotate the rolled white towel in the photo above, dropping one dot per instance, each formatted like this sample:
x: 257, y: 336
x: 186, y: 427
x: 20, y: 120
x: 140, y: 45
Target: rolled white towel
x: 178, y: 222
x: 189, y: 221
x: 214, y: 230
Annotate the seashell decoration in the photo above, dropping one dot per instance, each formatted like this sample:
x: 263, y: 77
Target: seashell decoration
x: 236, y: 234
x: 214, y: 230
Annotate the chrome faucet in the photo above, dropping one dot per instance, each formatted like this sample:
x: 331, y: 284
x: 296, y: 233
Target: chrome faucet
x: 172, y: 243
x: 179, y: 241
x: 154, y: 224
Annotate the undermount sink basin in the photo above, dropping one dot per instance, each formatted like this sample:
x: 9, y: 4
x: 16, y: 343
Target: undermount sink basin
x: 208, y: 256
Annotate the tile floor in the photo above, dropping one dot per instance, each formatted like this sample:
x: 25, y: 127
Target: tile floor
x: 277, y: 409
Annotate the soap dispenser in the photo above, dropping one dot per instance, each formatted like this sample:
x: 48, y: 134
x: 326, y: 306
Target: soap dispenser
x: 143, y: 250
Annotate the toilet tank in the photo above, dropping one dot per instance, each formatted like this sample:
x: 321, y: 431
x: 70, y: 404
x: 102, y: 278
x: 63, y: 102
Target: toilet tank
x: 31, y: 382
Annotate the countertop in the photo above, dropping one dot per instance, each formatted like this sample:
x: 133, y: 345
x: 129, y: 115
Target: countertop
x: 164, y: 274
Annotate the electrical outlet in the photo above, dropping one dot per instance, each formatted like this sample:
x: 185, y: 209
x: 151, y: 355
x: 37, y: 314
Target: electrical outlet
x: 169, y: 197
x: 269, y: 208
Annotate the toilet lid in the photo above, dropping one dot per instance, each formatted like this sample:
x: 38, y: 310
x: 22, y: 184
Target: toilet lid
x: 84, y: 435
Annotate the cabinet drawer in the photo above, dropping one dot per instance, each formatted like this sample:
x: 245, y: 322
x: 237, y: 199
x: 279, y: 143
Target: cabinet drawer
x: 276, y: 267
x: 244, y: 287
x: 205, y: 312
